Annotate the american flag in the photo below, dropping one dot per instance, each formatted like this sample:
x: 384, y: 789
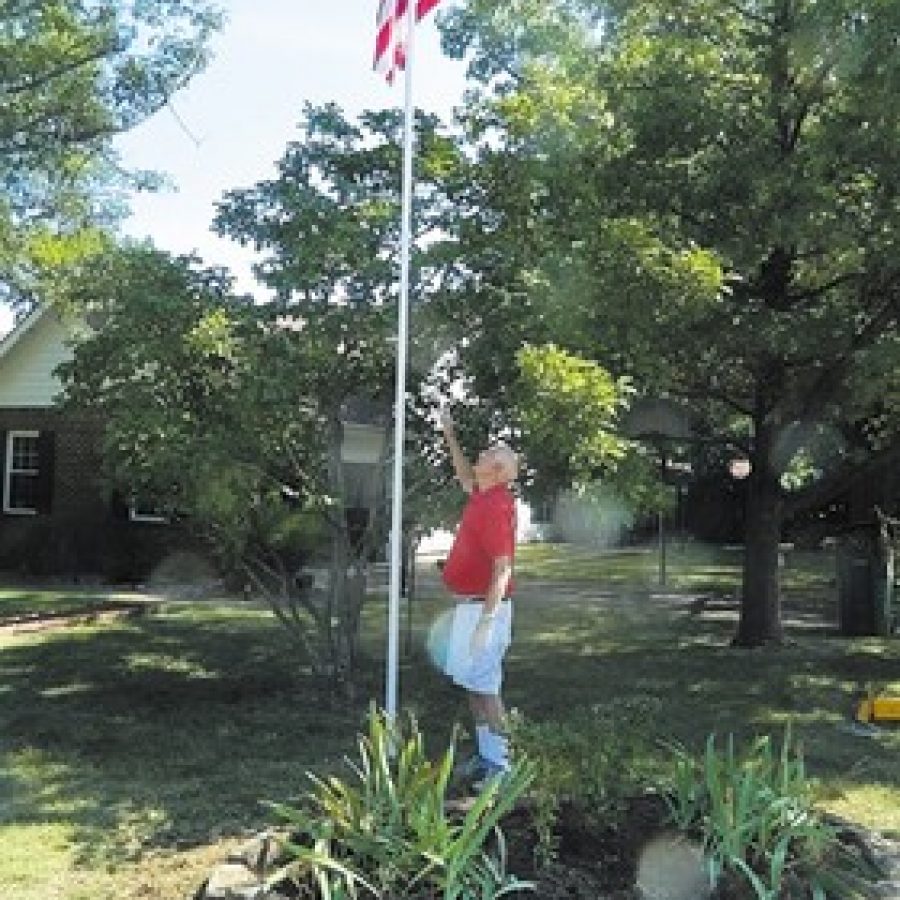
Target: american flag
x: 390, y: 36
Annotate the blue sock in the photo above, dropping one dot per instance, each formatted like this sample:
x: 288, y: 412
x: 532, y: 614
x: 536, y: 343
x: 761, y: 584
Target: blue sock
x: 496, y: 749
x: 482, y: 738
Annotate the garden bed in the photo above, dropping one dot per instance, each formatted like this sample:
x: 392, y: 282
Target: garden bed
x: 592, y: 862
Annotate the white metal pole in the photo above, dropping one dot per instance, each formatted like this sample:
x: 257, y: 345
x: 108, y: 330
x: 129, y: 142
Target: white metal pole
x: 393, y: 649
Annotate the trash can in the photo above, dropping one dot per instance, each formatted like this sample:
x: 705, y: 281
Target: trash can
x: 865, y: 581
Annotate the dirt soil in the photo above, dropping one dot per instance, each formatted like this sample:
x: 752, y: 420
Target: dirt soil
x: 596, y: 862
x: 593, y: 863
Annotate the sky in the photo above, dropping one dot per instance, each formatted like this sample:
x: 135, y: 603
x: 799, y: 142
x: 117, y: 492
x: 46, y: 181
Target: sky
x: 231, y: 123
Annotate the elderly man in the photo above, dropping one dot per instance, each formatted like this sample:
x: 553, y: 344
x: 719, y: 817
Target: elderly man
x: 479, y: 571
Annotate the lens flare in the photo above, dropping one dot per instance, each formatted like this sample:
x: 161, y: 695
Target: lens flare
x: 593, y: 517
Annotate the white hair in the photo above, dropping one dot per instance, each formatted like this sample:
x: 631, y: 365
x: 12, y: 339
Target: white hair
x: 508, y: 460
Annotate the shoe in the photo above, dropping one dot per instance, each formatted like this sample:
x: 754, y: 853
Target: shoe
x: 474, y: 767
x: 492, y: 773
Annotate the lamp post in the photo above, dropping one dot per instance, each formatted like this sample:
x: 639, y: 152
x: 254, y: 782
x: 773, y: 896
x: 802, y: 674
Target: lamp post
x: 661, y: 423
x: 362, y: 464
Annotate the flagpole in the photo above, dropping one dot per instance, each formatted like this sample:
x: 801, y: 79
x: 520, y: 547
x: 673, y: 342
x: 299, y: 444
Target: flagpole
x: 393, y: 651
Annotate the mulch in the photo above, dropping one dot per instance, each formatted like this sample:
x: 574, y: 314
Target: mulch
x: 592, y: 860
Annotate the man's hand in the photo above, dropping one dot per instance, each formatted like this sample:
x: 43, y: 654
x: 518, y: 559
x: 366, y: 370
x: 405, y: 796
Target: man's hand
x: 481, y: 636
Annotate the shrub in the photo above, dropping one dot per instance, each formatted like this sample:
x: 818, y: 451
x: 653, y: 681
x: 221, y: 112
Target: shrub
x: 595, y: 760
x: 753, y: 810
x: 387, y: 831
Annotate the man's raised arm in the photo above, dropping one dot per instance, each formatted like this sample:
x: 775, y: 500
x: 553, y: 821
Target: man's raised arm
x: 461, y: 465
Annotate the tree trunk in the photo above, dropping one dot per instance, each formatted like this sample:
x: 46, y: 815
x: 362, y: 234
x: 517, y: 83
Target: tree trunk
x: 340, y: 656
x: 347, y: 579
x: 760, y: 621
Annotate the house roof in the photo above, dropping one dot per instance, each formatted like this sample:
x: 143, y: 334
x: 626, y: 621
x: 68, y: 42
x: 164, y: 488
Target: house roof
x: 21, y: 328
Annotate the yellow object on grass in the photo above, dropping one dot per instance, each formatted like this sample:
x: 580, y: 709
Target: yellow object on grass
x: 878, y: 709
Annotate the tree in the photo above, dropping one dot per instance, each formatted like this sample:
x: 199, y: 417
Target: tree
x: 233, y: 413
x: 229, y: 417
x: 718, y: 183
x: 555, y: 387
x: 73, y: 75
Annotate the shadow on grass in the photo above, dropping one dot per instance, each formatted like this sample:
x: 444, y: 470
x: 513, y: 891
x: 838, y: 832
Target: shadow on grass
x: 577, y: 654
x: 572, y: 651
x: 167, y: 731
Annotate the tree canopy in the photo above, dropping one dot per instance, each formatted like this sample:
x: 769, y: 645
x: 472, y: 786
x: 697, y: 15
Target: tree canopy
x: 73, y: 74
x: 705, y: 194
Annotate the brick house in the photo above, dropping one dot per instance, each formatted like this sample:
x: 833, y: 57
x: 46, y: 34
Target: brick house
x: 57, y: 517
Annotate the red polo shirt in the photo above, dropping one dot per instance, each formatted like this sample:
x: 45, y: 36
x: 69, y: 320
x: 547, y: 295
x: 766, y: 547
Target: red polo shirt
x: 486, y: 531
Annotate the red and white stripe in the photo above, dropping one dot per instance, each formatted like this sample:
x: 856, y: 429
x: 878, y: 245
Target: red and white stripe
x: 390, y: 33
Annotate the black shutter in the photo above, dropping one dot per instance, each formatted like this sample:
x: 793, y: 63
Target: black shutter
x: 46, y: 471
x: 119, y: 507
x: 3, y: 498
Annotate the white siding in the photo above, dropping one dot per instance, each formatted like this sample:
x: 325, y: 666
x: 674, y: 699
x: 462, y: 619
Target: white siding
x: 26, y: 369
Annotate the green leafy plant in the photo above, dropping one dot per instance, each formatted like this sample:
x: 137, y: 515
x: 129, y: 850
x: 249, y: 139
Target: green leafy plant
x: 753, y: 810
x: 387, y: 831
x: 594, y: 760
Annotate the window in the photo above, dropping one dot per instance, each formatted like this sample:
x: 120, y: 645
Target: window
x: 143, y: 510
x: 22, y: 475
x: 136, y: 506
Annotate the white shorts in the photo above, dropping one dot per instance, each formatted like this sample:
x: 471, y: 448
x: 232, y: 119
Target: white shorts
x: 480, y: 673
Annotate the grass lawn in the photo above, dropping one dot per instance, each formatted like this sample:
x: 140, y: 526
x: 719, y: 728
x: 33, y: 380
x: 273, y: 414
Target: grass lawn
x: 688, y: 566
x: 134, y: 753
